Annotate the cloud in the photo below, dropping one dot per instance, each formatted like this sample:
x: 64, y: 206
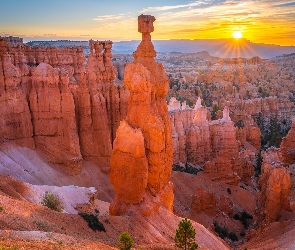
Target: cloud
x: 109, y: 17
x: 50, y: 35
x: 171, y: 7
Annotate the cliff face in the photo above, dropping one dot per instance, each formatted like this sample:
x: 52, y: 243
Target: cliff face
x: 54, y: 123
x: 15, y: 113
x: 144, y: 136
x: 288, y: 146
x: 275, y: 186
x: 51, y: 99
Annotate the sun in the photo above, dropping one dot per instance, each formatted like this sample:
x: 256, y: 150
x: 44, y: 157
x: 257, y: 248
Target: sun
x: 237, y: 34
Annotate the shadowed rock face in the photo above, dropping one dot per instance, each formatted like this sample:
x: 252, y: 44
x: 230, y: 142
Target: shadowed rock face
x: 142, y: 155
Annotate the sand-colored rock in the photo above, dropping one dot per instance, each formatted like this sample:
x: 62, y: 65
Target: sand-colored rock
x: 151, y: 140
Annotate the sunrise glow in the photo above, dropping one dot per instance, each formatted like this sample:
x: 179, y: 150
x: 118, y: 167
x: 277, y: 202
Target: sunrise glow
x: 272, y: 22
x: 237, y: 34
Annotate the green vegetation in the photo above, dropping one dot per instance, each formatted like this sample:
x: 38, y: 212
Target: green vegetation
x: 232, y: 236
x: 8, y: 248
x: 185, y: 235
x: 187, y: 169
x: 240, y: 124
x: 244, y: 217
x: 272, y: 130
x: 93, y: 222
x: 125, y: 241
x: 52, y: 201
x: 224, y: 233
x: 214, y: 111
x: 1, y: 208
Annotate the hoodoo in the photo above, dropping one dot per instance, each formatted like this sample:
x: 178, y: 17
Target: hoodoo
x: 142, y: 152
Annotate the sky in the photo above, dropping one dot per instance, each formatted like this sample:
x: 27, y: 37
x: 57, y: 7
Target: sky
x: 265, y: 21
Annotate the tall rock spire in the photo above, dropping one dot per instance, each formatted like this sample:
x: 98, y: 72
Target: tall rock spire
x: 141, y: 160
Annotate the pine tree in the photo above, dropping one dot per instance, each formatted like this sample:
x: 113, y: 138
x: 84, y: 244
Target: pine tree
x: 185, y: 235
x: 125, y: 241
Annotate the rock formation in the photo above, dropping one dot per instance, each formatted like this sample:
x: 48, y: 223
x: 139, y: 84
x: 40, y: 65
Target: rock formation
x: 142, y: 154
x: 15, y: 123
x: 207, y: 201
x: 288, y: 146
x: 225, y: 150
x: 52, y: 99
x: 53, y: 119
x: 275, y: 186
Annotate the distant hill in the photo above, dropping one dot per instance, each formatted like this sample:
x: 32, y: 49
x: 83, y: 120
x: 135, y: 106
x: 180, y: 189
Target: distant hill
x: 225, y: 48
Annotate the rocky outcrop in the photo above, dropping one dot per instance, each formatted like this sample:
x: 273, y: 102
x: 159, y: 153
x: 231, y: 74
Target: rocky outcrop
x: 53, y: 118
x: 15, y: 123
x: 208, y: 202
x: 275, y: 186
x: 225, y: 164
x: 144, y: 136
x: 288, y: 146
x: 73, y: 108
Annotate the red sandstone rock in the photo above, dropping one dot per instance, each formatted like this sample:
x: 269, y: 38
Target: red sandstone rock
x: 54, y: 118
x: 15, y: 123
x: 288, y: 146
x: 147, y: 112
x: 275, y: 186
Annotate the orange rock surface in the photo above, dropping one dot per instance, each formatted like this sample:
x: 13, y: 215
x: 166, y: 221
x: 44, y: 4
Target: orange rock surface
x: 15, y: 123
x: 150, y: 140
x: 53, y: 119
x: 288, y: 146
x: 275, y: 186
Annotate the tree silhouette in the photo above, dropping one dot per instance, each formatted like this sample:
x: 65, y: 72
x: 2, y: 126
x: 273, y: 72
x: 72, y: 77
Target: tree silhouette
x: 185, y: 235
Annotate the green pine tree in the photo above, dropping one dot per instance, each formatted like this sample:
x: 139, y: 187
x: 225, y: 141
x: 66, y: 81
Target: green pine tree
x: 125, y: 241
x: 185, y: 235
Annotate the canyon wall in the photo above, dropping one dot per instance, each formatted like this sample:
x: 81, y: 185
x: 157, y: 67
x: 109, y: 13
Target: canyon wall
x: 275, y: 186
x: 53, y: 101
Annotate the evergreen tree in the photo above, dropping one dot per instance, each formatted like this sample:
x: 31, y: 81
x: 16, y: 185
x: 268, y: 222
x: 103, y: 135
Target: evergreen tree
x: 185, y: 235
x: 125, y: 241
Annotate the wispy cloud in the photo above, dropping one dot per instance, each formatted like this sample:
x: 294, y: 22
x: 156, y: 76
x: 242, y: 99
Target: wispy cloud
x: 109, y: 17
x: 172, y: 7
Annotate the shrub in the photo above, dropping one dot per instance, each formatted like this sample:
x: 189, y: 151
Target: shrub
x: 52, y: 201
x: 1, y: 208
x: 232, y: 236
x: 185, y: 235
x: 221, y: 231
x: 8, y: 248
x: 93, y: 222
x: 125, y: 241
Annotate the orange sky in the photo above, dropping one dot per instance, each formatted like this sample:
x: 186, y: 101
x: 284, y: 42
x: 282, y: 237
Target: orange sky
x: 261, y: 21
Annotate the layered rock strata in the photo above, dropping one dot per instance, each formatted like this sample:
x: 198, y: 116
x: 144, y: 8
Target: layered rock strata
x: 288, y: 146
x: 141, y: 160
x: 275, y: 186
x: 52, y: 99
x: 15, y: 123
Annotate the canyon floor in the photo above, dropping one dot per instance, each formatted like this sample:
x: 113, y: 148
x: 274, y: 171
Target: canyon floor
x: 31, y: 226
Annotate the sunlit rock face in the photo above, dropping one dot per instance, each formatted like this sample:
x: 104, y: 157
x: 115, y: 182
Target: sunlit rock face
x: 142, y: 154
x: 55, y: 101
x: 15, y: 122
x: 275, y: 186
x: 53, y: 118
x: 288, y: 146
